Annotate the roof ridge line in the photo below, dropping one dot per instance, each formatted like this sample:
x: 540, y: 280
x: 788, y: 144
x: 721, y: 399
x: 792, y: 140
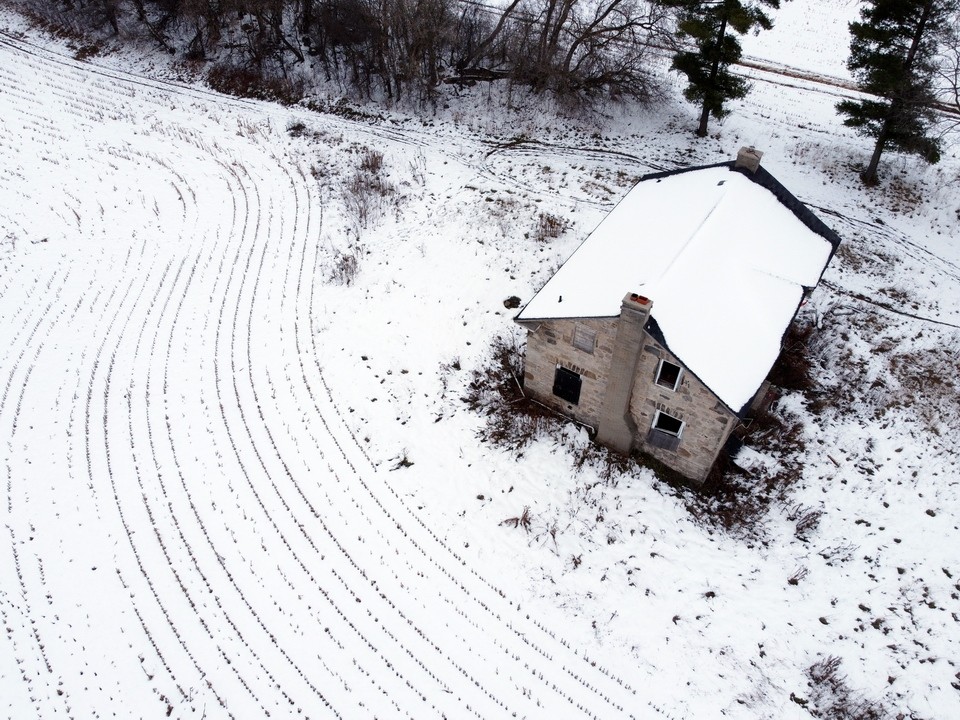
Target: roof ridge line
x: 692, y: 237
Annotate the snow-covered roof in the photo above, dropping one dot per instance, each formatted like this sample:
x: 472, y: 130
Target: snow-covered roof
x: 724, y: 256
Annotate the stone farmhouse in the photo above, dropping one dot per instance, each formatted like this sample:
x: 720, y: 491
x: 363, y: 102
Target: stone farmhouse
x: 659, y: 331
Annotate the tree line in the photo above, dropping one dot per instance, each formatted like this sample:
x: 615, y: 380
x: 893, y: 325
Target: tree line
x: 400, y: 49
x: 904, y: 54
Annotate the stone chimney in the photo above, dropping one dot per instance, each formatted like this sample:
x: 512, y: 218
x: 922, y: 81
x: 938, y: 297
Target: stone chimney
x: 616, y: 428
x: 749, y: 159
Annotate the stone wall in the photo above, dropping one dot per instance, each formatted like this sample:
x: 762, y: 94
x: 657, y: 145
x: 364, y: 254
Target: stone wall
x: 550, y: 343
x: 707, y: 422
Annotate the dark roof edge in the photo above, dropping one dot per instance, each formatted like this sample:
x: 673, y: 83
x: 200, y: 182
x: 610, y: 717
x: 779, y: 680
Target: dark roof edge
x: 767, y: 181
x: 681, y: 171
x: 522, y: 321
x: 804, y: 214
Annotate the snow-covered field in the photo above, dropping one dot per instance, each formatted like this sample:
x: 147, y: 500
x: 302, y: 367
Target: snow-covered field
x: 239, y: 479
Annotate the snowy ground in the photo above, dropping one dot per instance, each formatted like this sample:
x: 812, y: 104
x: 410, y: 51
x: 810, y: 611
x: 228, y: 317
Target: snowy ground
x: 236, y: 484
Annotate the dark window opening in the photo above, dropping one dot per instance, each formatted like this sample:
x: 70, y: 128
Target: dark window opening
x: 667, y: 424
x: 668, y: 375
x: 566, y: 385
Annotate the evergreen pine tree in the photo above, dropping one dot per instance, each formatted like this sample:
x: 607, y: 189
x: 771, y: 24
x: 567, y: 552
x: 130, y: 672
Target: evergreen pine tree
x: 893, y: 53
x: 710, y: 26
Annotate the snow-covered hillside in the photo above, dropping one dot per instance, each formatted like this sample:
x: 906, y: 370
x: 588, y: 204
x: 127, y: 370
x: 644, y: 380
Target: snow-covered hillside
x: 239, y: 478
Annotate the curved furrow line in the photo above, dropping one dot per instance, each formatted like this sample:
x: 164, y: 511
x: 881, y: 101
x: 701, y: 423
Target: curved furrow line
x: 423, y: 571
x: 173, y: 515
x: 35, y: 308
x: 284, y: 313
x: 171, y: 624
x: 91, y: 300
x: 25, y: 593
x: 155, y: 166
x: 243, y: 232
x: 62, y: 691
x: 343, y: 528
x: 155, y: 526
x: 353, y: 500
x: 385, y: 632
x: 327, y: 428
x: 332, y: 602
x: 282, y: 650
x: 458, y: 584
x: 260, y: 458
x: 333, y: 537
x: 24, y: 608
x: 498, y: 594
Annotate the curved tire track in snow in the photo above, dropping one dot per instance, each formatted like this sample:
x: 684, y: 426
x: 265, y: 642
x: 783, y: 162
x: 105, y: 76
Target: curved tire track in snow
x: 209, y: 536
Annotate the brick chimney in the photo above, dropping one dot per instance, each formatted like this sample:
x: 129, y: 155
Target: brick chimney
x: 748, y: 158
x: 616, y: 428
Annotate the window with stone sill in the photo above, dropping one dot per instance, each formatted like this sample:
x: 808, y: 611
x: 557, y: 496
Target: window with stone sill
x: 666, y: 431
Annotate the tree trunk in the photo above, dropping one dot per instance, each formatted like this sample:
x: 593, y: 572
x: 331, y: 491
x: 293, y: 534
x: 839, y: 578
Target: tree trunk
x: 714, y: 71
x: 869, y: 175
x: 704, y: 118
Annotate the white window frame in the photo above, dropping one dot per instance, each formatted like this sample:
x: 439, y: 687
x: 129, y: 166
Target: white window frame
x: 656, y: 419
x: 656, y: 380
x: 588, y: 336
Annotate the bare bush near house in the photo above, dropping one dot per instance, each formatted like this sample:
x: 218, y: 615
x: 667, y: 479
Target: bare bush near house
x: 512, y: 421
x: 737, y: 501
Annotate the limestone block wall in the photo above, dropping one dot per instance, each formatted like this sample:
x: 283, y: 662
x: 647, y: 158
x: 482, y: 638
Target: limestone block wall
x: 707, y: 422
x: 551, y: 344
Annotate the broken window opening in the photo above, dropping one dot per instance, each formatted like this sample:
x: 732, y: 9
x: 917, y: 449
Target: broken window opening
x: 668, y: 375
x: 668, y: 424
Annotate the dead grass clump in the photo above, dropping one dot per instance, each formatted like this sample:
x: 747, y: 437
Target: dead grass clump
x: 807, y: 520
x: 366, y: 192
x: 902, y: 196
x: 251, y: 83
x: 773, y: 430
x: 296, y: 129
x: 548, y: 227
x: 609, y: 465
x: 928, y: 384
x: 729, y: 499
x: 831, y: 697
x: 522, y: 520
x: 87, y: 51
x: 512, y: 421
x: 344, y: 267
x: 737, y: 501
